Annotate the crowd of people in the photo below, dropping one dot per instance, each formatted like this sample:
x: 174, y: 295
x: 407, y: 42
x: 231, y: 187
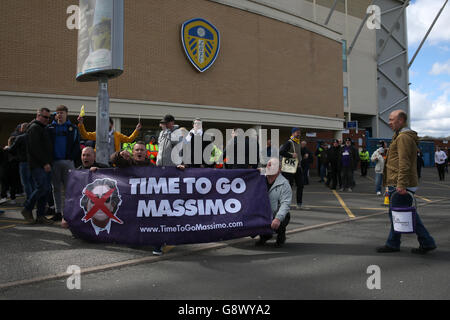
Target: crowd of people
x: 40, y: 154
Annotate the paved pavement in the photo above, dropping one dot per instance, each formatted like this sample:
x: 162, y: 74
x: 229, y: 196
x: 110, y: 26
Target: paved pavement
x: 330, y: 245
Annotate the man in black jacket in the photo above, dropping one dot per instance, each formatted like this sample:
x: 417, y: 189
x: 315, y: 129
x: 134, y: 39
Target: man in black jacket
x: 39, y: 155
x: 334, y: 164
x: 19, y: 149
x: 348, y: 160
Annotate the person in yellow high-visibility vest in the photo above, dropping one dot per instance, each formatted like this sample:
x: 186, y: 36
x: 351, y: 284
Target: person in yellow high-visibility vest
x: 365, y: 160
x: 215, y: 157
x: 152, y: 150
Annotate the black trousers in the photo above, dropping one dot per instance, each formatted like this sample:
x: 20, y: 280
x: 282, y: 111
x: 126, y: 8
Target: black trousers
x: 347, y: 177
x: 305, y: 169
x: 10, y: 179
x: 441, y: 171
x: 335, y: 175
x: 298, y: 178
x: 364, y: 166
x: 419, y: 171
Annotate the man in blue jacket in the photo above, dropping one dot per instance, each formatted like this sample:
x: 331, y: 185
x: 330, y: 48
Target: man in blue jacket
x: 66, y: 150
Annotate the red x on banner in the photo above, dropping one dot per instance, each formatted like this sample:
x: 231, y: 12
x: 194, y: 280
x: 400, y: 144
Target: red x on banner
x: 99, y: 204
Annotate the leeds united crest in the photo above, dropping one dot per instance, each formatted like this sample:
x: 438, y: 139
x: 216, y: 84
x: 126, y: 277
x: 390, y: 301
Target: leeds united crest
x: 201, y: 42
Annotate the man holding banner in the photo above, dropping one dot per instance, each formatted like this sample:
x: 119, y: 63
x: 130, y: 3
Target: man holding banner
x: 280, y: 195
x: 146, y: 205
x: 123, y: 159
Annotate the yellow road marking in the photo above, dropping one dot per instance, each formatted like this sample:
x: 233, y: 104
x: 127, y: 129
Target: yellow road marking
x: 167, y: 248
x: 6, y: 227
x: 349, y: 212
x: 15, y: 221
x: 327, y: 192
x: 427, y: 200
x: 354, y: 208
x: 437, y: 184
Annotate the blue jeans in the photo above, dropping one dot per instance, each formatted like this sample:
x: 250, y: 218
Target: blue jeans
x: 378, y: 181
x: 39, y: 196
x: 26, y: 179
x: 323, y: 172
x: 393, y: 241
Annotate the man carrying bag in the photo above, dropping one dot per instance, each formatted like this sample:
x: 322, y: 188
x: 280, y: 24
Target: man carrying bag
x: 400, y: 176
x: 291, y: 163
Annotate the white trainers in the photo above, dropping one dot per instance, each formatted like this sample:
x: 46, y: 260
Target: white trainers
x: 378, y: 193
x: 158, y: 251
x: 3, y: 200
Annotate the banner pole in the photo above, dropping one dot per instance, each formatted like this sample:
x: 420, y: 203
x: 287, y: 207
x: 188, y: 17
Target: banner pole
x: 102, y: 123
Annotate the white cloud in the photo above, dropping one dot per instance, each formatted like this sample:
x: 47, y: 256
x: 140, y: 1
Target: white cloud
x: 444, y: 48
x: 440, y: 68
x: 421, y: 14
x: 430, y: 116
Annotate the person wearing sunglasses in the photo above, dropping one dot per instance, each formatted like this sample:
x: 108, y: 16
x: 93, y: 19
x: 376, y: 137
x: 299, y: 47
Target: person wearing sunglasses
x: 40, y: 157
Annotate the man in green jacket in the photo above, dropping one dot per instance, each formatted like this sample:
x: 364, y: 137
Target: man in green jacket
x: 400, y: 176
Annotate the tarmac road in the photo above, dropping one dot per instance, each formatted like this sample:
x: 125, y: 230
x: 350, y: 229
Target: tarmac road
x: 330, y: 246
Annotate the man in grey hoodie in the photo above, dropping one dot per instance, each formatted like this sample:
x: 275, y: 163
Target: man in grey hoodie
x: 164, y: 157
x: 165, y: 142
x: 280, y: 195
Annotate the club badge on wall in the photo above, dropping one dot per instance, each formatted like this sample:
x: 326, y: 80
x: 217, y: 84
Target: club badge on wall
x: 201, y: 43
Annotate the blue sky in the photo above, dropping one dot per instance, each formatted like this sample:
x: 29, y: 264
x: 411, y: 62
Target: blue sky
x: 430, y: 72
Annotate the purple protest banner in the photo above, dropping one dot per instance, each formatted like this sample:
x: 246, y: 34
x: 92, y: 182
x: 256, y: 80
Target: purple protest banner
x: 151, y: 206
